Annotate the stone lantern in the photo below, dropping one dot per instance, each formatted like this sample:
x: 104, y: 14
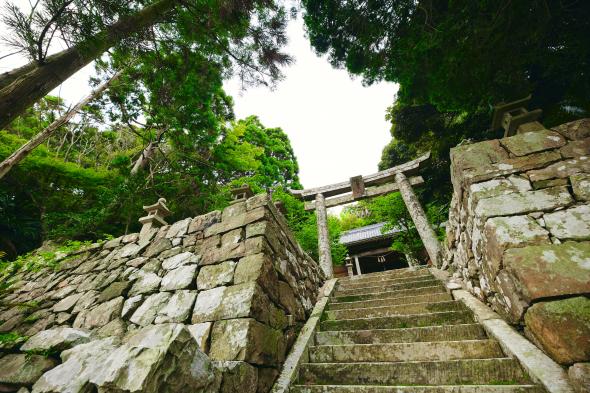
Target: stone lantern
x: 240, y: 194
x: 155, y: 217
x: 348, y: 261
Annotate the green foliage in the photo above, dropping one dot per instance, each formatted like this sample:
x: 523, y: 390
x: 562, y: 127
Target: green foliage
x: 11, y: 339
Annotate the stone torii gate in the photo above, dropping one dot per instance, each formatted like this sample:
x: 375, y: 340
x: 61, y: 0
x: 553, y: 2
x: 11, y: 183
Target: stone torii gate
x: 362, y: 187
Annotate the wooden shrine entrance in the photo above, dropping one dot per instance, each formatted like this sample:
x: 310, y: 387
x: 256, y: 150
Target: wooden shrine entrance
x: 362, y: 187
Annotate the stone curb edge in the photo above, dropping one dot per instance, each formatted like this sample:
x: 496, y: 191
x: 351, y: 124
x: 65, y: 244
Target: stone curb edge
x: 540, y: 367
x: 299, y: 351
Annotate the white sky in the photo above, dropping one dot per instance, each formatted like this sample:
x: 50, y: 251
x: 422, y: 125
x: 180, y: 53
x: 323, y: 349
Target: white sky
x: 337, y: 127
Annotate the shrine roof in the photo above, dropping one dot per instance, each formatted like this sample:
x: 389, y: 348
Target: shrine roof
x: 366, y: 234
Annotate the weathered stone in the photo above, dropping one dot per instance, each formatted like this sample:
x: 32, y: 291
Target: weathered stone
x: 237, y: 301
x: 147, y: 312
x: 572, y: 223
x: 236, y: 221
x: 513, y: 306
x: 258, y: 200
x: 116, y: 328
x: 152, y: 266
x: 63, y: 292
x: 136, y: 262
x: 519, y: 203
x: 510, y: 166
x: 113, y: 243
x: 562, y: 327
x: 86, y: 301
x: 179, y: 228
x: 116, y: 289
x: 216, y: 275
x: 575, y: 130
x: 502, y: 233
x: 233, y: 210
x: 247, y: 340
x: 130, y: 238
x: 130, y: 250
x: 550, y: 270
x: 203, y: 222
x: 179, y: 278
x: 532, y: 142
x: 579, y: 375
x: 146, y: 283
x: 549, y: 183
x: 56, y: 339
x: 561, y: 169
x: 576, y: 149
x: 178, y: 308
x: 21, y: 369
x: 288, y: 300
x: 476, y: 155
x: 99, y: 315
x: 521, y: 183
x: 226, y: 251
x: 157, y: 359
x: 79, y: 364
x: 179, y: 260
x: 259, y: 268
x: 169, y: 253
x: 581, y: 186
x: 67, y: 303
x: 157, y: 246
x: 237, y: 377
x: 131, y: 305
x: 201, y: 332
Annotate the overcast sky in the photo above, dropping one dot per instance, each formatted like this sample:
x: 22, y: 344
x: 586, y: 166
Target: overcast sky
x: 337, y: 127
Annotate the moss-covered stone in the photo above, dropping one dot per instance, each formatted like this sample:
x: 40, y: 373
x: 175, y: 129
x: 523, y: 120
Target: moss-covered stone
x: 562, y: 328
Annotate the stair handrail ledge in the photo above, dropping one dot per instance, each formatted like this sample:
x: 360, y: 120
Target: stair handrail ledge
x: 540, y: 367
x: 299, y: 352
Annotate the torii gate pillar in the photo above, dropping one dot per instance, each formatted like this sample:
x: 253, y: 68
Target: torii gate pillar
x: 419, y: 217
x: 324, y: 249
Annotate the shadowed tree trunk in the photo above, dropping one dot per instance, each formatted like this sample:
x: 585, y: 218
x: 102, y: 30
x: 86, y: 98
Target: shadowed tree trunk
x: 22, y: 87
x: 24, y: 150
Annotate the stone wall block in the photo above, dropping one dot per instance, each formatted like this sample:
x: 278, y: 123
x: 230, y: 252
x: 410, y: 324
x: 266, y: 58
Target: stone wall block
x: 23, y: 370
x: 201, y: 333
x: 233, y: 210
x: 572, y: 223
x: 576, y: 149
x: 502, y: 233
x: 579, y: 375
x: 581, y: 186
x: 237, y: 221
x: 512, y: 306
x: 216, y: 275
x: 236, y: 301
x: 575, y: 130
x: 247, y: 340
x: 99, y: 315
x: 288, y: 300
x: 258, y: 268
x: 562, y: 328
x: 550, y: 270
x: 200, y: 223
x: 178, y: 308
x: 532, y: 142
x: 179, y: 228
x: 149, y: 309
x: 180, y: 278
x: 237, y: 377
x: 561, y: 169
x: 520, y: 203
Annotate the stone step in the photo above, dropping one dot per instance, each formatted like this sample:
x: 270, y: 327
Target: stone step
x: 406, y: 352
x: 416, y: 389
x: 455, y: 372
x: 419, y: 283
x: 400, y: 321
x: 386, y: 275
x: 400, y: 309
x: 393, y: 280
x: 428, y: 297
x: 471, y: 331
x: 383, y: 295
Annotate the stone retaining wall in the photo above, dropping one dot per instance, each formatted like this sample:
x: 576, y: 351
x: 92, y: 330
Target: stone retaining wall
x: 519, y: 230
x: 140, y: 313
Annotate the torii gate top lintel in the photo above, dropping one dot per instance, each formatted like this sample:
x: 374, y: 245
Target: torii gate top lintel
x: 362, y: 187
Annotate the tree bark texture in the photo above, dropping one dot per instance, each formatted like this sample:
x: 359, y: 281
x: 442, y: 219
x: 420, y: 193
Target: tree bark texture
x: 25, y: 150
x: 22, y: 87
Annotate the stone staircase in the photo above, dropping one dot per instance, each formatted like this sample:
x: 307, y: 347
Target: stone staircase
x: 400, y: 331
